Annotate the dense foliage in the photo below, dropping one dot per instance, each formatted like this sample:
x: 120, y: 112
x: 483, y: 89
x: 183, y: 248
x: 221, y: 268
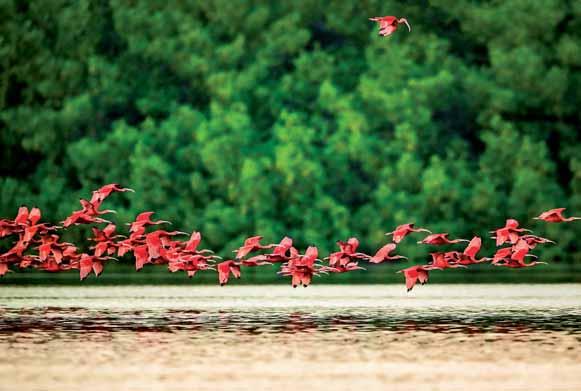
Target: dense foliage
x: 295, y: 117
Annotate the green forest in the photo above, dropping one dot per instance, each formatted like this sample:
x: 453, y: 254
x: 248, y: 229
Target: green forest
x: 296, y: 118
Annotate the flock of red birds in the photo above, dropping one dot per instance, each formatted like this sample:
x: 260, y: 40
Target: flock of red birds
x: 39, y: 246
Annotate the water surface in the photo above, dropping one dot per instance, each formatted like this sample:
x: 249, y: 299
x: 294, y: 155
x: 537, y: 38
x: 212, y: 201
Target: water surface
x: 264, y: 337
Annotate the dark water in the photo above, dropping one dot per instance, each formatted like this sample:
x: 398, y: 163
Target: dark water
x: 515, y: 322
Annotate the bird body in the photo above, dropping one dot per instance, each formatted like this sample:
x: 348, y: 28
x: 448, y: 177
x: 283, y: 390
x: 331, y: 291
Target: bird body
x: 555, y: 216
x: 403, y: 230
x: 440, y: 239
x: 383, y: 254
x: 388, y: 24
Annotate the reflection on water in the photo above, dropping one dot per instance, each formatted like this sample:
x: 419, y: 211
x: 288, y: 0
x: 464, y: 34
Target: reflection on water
x: 323, y: 337
x: 263, y: 310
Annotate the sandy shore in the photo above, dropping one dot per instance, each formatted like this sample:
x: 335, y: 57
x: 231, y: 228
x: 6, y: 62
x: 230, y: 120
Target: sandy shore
x: 302, y: 361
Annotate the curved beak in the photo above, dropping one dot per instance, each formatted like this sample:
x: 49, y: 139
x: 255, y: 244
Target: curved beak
x: 404, y: 20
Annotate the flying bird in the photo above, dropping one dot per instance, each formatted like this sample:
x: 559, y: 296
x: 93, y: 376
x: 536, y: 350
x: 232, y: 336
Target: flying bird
x: 440, y: 239
x: 403, y: 230
x: 225, y: 269
x: 383, y: 254
x: 388, y: 24
x: 509, y: 233
x: 415, y: 274
x: 251, y: 244
x: 555, y: 216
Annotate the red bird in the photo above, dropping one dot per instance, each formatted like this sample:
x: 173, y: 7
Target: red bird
x: 445, y: 260
x: 509, y: 233
x: 155, y: 241
x: 143, y: 220
x: 190, y: 264
x: 92, y: 210
x: 224, y: 270
x: 22, y: 216
x: 382, y: 254
x: 3, y: 268
x: 105, y: 240
x: 403, y: 230
x: 99, y: 195
x: 468, y: 257
x: 555, y: 216
x: 257, y: 260
x: 251, y: 244
x: 440, y: 239
x: 414, y: 274
x: 92, y: 263
x: 81, y: 217
x: 533, y: 240
x: 388, y: 24
x: 282, y: 252
x: 301, y: 268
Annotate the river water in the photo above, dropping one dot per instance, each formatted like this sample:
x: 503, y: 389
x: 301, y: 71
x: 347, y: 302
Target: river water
x: 437, y: 337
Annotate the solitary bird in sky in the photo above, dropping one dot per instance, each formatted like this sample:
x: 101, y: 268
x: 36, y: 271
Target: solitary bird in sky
x: 388, y: 24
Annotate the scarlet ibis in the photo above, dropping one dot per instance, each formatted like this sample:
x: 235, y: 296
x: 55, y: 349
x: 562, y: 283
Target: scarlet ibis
x: 388, y: 24
x: 8, y: 227
x: 382, y: 254
x: 509, y: 233
x: 92, y: 210
x: 3, y: 268
x: 154, y: 241
x: 440, y: 239
x: 50, y: 245
x: 468, y: 257
x: 301, y: 268
x: 403, y: 230
x: 533, y: 240
x: 22, y: 216
x: 224, y: 270
x: 105, y: 240
x: 251, y: 244
x: 282, y: 251
x: 99, y: 195
x: 519, y: 251
x: 446, y: 260
x: 515, y: 264
x: 92, y: 263
x: 555, y: 216
x: 143, y: 220
x: 190, y: 264
x: 141, y: 256
x: 257, y: 260
x: 415, y: 274
x: 81, y: 217
x: 349, y: 267
x: 34, y: 216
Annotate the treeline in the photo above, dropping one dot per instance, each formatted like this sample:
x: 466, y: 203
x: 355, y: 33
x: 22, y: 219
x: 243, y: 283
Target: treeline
x: 295, y: 118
